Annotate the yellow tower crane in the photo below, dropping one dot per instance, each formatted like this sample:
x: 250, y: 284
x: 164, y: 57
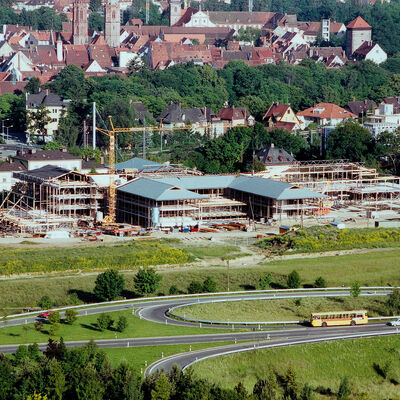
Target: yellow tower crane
x: 111, y: 133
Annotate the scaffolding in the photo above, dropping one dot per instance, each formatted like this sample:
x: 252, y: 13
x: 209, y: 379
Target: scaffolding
x: 38, y: 203
x: 343, y: 182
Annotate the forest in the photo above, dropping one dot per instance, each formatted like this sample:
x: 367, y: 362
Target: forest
x: 86, y: 374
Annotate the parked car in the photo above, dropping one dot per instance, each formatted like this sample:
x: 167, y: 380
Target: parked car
x: 396, y: 322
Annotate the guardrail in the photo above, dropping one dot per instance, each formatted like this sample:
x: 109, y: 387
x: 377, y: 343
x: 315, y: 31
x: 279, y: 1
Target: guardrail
x: 183, y: 296
x: 170, y: 314
x: 354, y: 336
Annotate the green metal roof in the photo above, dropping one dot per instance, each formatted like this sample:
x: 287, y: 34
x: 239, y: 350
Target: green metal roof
x: 273, y: 189
x: 200, y: 182
x: 159, y: 191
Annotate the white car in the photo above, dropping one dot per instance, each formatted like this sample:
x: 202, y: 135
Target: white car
x: 396, y: 322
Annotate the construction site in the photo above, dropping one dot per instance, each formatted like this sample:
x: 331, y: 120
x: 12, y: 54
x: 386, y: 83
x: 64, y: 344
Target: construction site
x: 139, y: 196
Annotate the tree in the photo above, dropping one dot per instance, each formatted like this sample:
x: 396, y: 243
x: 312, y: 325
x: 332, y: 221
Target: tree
x: 355, y: 289
x: 266, y: 389
x: 195, y: 287
x: 94, y: 5
x: 146, y: 281
x: 389, y: 146
x: 55, y: 379
x: 293, y: 280
x: 104, y: 321
x: 137, y: 64
x: 96, y: 22
x: 70, y: 316
x: 173, y: 290
x: 290, y: 385
x: 45, y: 303
x: 54, y: 317
x: 344, y: 391
x: 38, y: 325
x: 320, y: 282
x: 209, y: 285
x: 37, y: 121
x: 350, y: 141
x: 70, y: 83
x: 265, y: 281
x: 109, y: 285
x: 122, y: 323
x: 393, y: 302
x: 307, y: 393
x: 54, y: 327
x: 33, y: 86
x: 162, y: 389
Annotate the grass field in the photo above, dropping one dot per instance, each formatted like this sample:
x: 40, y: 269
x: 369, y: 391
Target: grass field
x: 138, y: 356
x: 326, y: 238
x: 321, y: 365
x: 85, y: 329
x: 378, y: 268
x: 281, y: 310
x: 128, y: 255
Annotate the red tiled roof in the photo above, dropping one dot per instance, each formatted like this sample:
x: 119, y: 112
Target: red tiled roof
x: 276, y: 110
x: 11, y: 87
x: 358, y: 23
x: 326, y: 111
x: 233, y: 113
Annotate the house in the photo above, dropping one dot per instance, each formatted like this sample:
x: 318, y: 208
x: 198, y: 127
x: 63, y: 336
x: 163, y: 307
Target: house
x: 325, y: 114
x: 282, y: 116
x: 34, y: 159
x: 361, y: 108
x: 144, y: 115
x: 370, y: 51
x: 55, y: 105
x: 7, y: 169
x: 234, y: 116
x: 199, y: 119
x: 272, y: 155
x: 385, y: 119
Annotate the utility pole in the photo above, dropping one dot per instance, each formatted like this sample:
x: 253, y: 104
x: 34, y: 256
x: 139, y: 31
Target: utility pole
x: 144, y: 142
x: 147, y: 11
x: 94, y: 126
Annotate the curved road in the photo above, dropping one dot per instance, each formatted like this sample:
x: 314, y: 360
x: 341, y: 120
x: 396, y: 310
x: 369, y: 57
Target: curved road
x: 155, y: 311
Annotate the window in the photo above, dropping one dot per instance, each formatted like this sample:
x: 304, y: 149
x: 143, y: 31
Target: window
x: 54, y: 120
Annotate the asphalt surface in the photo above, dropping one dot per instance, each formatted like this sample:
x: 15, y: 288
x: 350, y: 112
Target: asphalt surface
x: 155, y: 311
x: 187, y: 359
x: 263, y: 337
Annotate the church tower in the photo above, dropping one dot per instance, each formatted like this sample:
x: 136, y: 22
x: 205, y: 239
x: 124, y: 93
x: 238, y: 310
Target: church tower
x: 175, y: 14
x: 80, y: 22
x: 112, y: 19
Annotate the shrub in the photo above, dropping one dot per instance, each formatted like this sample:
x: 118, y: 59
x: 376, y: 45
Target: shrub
x: 104, y: 321
x: 122, y: 323
x: 38, y: 325
x: 173, y: 290
x: 54, y: 317
x: 70, y: 316
x: 109, y: 285
x: 293, y: 280
x: 344, y: 389
x: 393, y: 302
x: 297, y: 302
x: 355, y: 290
x: 195, y: 287
x: 45, y: 303
x: 54, y: 329
x: 265, y: 281
x: 146, y: 281
x: 320, y: 282
x: 209, y: 285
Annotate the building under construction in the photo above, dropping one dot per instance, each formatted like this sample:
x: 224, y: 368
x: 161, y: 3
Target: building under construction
x: 49, y: 198
x: 195, y: 200
x: 343, y: 182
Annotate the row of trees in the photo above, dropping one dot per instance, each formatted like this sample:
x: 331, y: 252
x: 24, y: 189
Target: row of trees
x: 43, y: 18
x: 87, y: 374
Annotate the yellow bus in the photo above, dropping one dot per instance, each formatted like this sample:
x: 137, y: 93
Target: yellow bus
x: 337, y: 318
